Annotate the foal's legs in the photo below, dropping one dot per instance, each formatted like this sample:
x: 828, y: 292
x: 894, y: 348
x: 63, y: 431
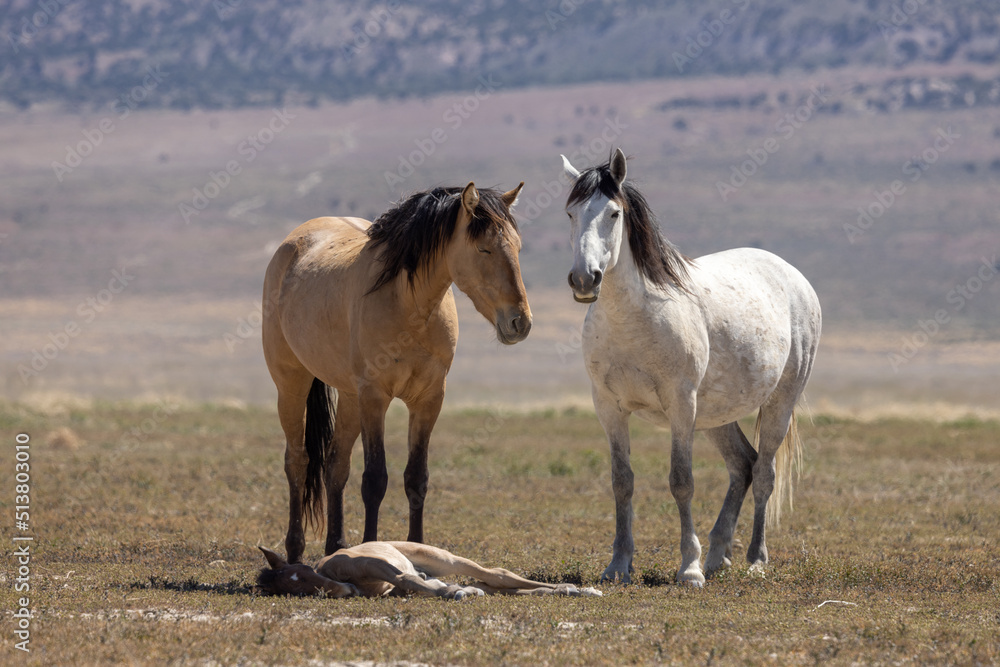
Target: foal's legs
x: 615, y: 423
x: 293, y: 390
x: 347, y: 426
x: 437, y: 562
x: 740, y: 456
x: 682, y: 486
x: 373, y: 404
x: 423, y: 416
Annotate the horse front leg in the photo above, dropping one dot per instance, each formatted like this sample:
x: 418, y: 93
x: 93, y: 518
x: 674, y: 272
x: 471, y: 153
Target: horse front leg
x: 423, y: 416
x: 373, y: 404
x: 682, y: 489
x: 615, y: 423
x: 346, y: 428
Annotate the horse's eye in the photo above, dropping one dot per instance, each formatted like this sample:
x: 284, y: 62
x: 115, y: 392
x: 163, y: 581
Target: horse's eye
x: 484, y: 250
x: 569, y: 215
x: 614, y: 216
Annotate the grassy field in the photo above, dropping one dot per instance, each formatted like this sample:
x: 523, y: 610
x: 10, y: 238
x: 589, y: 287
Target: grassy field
x: 147, y: 518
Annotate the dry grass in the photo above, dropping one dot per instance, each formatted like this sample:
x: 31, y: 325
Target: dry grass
x: 145, y: 551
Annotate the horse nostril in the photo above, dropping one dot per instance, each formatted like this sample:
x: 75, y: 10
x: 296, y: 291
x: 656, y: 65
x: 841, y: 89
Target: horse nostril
x: 572, y: 282
x: 597, y: 277
x: 520, y: 324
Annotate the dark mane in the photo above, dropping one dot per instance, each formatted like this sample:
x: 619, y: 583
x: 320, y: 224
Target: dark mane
x: 658, y: 259
x: 410, y: 235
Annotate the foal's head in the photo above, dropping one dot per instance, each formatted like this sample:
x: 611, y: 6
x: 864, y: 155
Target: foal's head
x: 283, y: 578
x: 604, y: 210
x: 474, y: 233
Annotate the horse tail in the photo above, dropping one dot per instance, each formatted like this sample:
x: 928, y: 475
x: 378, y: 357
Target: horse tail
x: 320, y: 411
x: 787, y: 461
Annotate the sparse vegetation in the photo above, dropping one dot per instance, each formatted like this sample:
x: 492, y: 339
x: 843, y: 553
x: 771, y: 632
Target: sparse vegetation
x: 146, y: 555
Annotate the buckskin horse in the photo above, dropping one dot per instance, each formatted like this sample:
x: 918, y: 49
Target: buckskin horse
x: 367, y: 309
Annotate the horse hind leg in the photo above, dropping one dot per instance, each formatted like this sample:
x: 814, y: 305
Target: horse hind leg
x: 772, y: 472
x: 739, y: 456
x: 292, y: 395
x: 347, y: 426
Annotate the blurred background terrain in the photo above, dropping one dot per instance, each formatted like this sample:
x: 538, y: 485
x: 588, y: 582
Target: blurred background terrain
x: 154, y: 154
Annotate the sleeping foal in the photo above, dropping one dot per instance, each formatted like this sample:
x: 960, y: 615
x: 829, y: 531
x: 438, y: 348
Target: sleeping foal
x: 374, y: 569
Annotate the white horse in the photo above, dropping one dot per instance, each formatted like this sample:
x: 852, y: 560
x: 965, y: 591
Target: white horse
x: 693, y: 345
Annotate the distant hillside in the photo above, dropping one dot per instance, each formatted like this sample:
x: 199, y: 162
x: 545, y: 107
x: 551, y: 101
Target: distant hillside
x: 232, y: 53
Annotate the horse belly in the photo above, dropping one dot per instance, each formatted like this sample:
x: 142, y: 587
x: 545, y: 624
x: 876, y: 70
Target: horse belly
x: 739, y: 380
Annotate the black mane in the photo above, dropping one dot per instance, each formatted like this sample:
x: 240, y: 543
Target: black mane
x: 658, y: 259
x: 412, y: 233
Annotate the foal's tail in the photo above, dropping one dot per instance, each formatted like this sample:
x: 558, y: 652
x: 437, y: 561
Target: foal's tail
x: 320, y: 411
x: 787, y: 459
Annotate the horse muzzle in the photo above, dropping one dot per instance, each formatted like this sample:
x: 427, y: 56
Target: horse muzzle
x: 513, y: 325
x: 586, y: 286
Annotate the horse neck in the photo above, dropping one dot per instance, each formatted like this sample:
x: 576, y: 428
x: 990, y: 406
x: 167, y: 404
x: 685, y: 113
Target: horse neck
x: 624, y: 287
x: 428, y: 289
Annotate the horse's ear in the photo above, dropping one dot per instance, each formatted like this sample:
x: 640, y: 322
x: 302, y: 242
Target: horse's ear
x: 510, y: 198
x: 572, y: 173
x: 618, y: 167
x: 274, y: 560
x: 470, y: 199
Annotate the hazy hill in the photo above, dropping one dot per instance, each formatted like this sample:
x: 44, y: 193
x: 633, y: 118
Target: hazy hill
x: 226, y: 53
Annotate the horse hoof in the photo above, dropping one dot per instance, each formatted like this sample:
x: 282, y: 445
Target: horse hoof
x: 691, y: 578
x: 615, y: 577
